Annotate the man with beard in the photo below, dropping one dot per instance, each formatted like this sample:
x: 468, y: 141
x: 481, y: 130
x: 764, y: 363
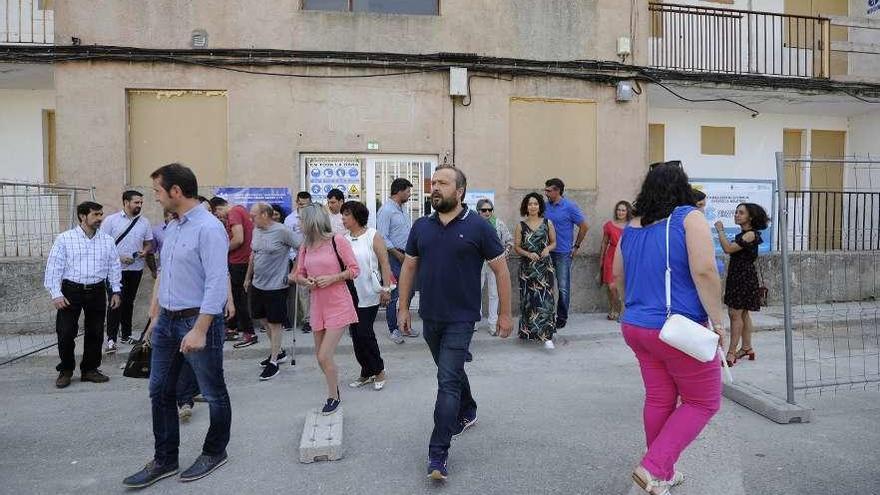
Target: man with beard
x: 445, y: 252
x: 133, y: 236
x: 81, y: 261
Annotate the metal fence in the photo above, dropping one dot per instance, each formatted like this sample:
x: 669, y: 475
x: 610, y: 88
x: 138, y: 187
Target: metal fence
x: 27, y: 22
x: 706, y: 39
x: 31, y: 215
x: 832, y: 345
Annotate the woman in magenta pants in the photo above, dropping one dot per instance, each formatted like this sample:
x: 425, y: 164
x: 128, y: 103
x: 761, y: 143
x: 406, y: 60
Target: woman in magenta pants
x: 681, y: 393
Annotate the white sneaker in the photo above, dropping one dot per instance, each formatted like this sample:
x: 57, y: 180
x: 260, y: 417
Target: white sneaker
x: 184, y: 412
x: 110, y: 348
x: 397, y: 337
x: 548, y: 344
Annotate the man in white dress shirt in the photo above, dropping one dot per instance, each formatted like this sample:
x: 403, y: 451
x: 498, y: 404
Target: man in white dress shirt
x: 81, y: 262
x: 133, y: 236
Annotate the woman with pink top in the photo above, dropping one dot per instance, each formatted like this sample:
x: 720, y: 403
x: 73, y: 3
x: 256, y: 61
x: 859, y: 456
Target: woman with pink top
x: 681, y: 393
x: 324, y: 264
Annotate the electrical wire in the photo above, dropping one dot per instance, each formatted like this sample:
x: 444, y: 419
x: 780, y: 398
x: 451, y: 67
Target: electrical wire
x: 304, y: 76
x: 755, y: 113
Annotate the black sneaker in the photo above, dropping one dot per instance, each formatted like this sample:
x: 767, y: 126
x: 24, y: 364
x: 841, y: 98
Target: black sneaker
x: 437, y: 469
x: 282, y: 357
x: 248, y: 340
x: 204, y: 465
x: 150, y: 474
x: 269, y: 371
x: 128, y: 340
x: 560, y: 324
x: 330, y: 407
x: 231, y: 335
x: 293, y: 362
x: 464, y: 424
x: 306, y: 328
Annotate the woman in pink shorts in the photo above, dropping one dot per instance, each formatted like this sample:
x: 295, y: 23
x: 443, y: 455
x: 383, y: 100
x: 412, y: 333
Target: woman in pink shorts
x: 324, y: 264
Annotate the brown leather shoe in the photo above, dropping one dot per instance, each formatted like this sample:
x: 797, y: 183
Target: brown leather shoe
x: 63, y: 379
x: 94, y: 376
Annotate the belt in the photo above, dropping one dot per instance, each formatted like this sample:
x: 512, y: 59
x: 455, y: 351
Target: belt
x: 83, y: 287
x: 181, y: 314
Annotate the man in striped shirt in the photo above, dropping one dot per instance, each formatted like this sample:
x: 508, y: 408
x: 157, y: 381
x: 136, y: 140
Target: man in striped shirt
x: 80, y: 263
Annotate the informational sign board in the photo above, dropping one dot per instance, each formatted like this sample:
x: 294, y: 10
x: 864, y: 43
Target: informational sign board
x: 248, y: 196
x: 326, y: 174
x: 722, y: 197
x: 472, y: 196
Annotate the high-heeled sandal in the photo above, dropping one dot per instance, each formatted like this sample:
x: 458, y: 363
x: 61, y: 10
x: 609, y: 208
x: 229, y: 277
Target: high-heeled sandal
x: 644, y: 480
x: 746, y: 352
x: 727, y: 358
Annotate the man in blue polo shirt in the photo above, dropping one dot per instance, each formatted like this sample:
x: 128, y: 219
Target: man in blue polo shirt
x: 565, y: 215
x: 446, y: 251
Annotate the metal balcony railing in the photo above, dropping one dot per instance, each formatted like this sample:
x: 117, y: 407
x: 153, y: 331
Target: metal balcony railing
x: 730, y: 41
x: 27, y: 22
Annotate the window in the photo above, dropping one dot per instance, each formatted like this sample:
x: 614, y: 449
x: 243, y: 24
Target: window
x: 656, y: 143
x: 717, y: 140
x: 552, y: 138
x: 414, y: 7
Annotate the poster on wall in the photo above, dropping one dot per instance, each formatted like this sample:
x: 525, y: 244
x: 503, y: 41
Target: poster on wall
x: 722, y: 197
x: 325, y: 174
x: 247, y: 196
x: 472, y: 196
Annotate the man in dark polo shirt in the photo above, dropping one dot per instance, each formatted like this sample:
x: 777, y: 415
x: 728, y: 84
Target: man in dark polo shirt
x: 446, y: 252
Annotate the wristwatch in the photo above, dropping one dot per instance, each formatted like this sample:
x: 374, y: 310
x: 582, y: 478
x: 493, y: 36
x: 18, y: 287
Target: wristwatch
x: 389, y: 288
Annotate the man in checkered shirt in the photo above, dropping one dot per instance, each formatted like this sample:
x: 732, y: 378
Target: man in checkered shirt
x: 81, y: 263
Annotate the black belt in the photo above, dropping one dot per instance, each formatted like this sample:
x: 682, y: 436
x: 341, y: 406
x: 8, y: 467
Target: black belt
x: 181, y: 314
x: 83, y: 287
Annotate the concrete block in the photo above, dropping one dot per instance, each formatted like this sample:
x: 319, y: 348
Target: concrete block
x: 321, y: 437
x: 766, y: 404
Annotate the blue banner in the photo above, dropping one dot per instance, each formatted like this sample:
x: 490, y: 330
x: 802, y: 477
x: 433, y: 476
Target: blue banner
x: 248, y: 196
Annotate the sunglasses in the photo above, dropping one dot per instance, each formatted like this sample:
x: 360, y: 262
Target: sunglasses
x: 486, y: 210
x: 671, y: 163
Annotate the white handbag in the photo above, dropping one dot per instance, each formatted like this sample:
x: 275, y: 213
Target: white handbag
x: 681, y: 332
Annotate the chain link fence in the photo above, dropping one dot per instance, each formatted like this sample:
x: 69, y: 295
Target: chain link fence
x: 831, y: 218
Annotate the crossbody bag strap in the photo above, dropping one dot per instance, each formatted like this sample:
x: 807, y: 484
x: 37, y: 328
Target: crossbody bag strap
x: 668, y: 275
x: 127, y: 230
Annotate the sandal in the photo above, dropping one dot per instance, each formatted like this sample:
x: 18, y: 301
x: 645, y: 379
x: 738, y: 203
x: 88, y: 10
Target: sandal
x: 743, y: 352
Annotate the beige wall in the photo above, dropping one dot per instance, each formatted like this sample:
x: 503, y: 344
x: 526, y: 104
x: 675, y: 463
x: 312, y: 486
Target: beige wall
x: 273, y: 120
x: 545, y: 29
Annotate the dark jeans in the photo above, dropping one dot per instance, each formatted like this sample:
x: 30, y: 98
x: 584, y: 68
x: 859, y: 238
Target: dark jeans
x: 562, y: 266
x: 131, y: 280
x: 391, y: 309
x: 449, y: 344
x: 366, y: 349
x: 207, y: 365
x: 242, y: 321
x: 187, y: 386
x: 93, y: 303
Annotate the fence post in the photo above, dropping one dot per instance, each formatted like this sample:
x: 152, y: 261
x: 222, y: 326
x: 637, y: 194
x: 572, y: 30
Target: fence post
x: 782, y: 223
x: 826, y: 47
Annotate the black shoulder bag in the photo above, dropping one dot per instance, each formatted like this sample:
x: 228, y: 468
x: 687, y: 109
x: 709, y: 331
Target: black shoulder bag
x: 127, y: 230
x: 138, y: 364
x: 349, y: 282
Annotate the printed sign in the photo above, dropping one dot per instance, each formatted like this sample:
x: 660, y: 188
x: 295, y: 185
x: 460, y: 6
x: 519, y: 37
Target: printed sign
x: 247, y: 196
x: 722, y: 197
x: 472, y: 196
x: 326, y: 174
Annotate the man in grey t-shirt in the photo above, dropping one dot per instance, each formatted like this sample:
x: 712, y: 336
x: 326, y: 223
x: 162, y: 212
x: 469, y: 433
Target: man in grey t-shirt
x: 266, y: 280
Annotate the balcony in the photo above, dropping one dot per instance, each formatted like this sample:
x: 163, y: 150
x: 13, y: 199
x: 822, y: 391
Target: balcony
x: 729, y: 41
x: 27, y: 22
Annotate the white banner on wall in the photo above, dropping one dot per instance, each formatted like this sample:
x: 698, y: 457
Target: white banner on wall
x: 472, y: 196
x: 722, y: 197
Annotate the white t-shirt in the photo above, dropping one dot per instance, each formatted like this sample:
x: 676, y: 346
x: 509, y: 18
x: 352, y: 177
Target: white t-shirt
x: 369, y: 267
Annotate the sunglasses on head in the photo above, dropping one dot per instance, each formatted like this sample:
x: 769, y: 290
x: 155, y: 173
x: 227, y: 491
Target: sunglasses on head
x: 672, y: 163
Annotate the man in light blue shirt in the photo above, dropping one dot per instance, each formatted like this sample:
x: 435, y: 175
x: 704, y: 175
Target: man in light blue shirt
x: 187, y: 325
x: 394, y: 225
x: 565, y: 215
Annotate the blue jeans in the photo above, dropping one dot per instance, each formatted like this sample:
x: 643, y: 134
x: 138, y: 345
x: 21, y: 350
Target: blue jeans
x: 562, y: 266
x: 391, y: 309
x: 207, y: 365
x: 449, y: 344
x: 187, y: 386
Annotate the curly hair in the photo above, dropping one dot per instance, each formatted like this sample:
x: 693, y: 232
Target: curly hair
x: 665, y: 187
x: 758, y: 218
x: 524, y: 206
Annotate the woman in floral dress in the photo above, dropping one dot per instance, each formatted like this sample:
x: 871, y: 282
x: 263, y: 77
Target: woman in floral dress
x: 535, y: 237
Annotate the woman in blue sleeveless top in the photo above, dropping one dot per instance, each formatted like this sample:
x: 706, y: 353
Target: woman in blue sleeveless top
x: 681, y: 393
